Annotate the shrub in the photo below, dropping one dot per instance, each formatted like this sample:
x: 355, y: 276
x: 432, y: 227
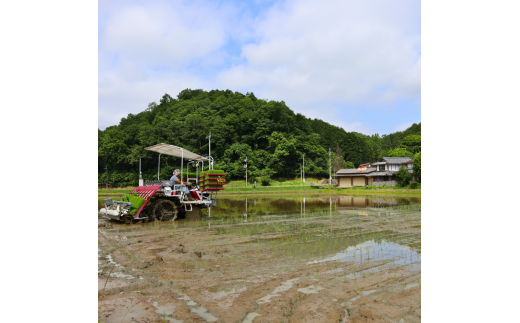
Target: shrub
x: 414, y: 185
x: 403, y: 177
x: 265, y: 180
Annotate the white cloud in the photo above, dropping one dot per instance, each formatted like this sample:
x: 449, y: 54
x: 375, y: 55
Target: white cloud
x: 145, y: 50
x: 331, y: 52
x: 323, y: 58
x: 122, y: 96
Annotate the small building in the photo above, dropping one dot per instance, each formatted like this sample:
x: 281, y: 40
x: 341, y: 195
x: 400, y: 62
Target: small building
x: 382, y: 172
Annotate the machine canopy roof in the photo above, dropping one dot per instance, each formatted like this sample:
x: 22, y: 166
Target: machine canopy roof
x: 172, y: 150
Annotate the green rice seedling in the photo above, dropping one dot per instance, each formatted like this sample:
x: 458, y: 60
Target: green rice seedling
x: 316, y: 272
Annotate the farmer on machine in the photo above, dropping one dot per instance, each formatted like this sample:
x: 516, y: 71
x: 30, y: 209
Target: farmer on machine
x: 175, y: 178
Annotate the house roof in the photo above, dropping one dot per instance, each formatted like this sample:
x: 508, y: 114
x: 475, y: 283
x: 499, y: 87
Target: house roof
x: 378, y: 163
x: 396, y: 160
x: 355, y: 171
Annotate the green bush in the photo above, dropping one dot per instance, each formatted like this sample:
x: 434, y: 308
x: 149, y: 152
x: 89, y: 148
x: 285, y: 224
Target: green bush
x: 403, y: 177
x: 414, y: 185
x: 265, y: 180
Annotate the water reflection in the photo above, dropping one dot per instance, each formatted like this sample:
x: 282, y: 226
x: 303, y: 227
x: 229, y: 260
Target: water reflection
x: 272, y: 205
x: 289, y: 205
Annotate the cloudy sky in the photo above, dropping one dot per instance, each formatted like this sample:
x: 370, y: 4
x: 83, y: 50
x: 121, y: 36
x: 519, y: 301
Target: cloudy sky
x: 354, y: 64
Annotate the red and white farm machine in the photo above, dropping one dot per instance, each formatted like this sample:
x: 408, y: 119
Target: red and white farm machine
x: 164, y: 199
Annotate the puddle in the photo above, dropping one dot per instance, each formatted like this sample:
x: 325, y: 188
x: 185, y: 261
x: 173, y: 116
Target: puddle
x: 200, y: 311
x: 345, y: 318
x: 409, y: 286
x: 361, y: 294
x: 165, y: 312
x: 250, y: 317
x: 374, y: 251
x: 224, y: 290
x: 115, y: 274
x: 111, y: 261
x: 203, y: 312
x: 188, y: 300
x: 121, y: 275
x: 310, y: 289
x: 282, y: 288
x: 123, y: 309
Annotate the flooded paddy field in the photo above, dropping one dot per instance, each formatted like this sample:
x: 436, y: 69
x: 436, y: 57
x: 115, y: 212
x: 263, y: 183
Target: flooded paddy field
x: 296, y: 204
x: 335, y: 261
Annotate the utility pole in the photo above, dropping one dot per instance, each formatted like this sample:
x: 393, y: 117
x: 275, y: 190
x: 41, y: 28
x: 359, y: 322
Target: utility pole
x: 330, y: 169
x: 245, y: 166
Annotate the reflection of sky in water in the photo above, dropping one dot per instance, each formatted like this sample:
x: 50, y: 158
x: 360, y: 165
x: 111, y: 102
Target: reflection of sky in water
x: 373, y: 251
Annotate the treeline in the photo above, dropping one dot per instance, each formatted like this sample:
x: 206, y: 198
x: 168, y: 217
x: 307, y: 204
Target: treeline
x: 268, y: 133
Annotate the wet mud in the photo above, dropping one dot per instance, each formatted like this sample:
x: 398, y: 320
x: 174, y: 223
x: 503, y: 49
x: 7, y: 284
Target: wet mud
x: 357, y: 265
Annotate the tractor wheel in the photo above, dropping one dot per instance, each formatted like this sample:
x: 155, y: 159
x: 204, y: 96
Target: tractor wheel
x: 148, y: 211
x: 165, y: 210
x: 194, y: 214
x: 128, y: 219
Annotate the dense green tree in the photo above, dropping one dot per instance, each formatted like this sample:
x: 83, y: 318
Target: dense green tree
x: 417, y: 165
x: 269, y: 133
x: 412, y: 143
x: 338, y: 162
x: 398, y: 152
x: 349, y: 165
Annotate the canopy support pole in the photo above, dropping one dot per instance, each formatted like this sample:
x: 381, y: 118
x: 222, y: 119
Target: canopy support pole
x: 182, y: 166
x: 197, y: 173
x: 159, y: 169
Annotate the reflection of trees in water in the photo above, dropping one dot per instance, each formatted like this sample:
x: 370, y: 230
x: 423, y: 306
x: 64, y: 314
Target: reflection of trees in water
x: 263, y: 206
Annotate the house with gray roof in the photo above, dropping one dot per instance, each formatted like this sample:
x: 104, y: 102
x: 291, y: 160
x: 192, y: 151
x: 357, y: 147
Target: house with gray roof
x: 382, y: 172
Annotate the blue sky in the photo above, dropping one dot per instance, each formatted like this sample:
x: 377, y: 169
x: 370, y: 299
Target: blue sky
x: 354, y: 64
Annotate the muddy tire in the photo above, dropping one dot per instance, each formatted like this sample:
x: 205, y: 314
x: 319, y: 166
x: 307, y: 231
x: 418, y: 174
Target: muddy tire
x: 165, y: 210
x: 128, y: 219
x: 194, y: 214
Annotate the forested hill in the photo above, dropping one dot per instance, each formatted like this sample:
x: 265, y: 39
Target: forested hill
x: 269, y: 133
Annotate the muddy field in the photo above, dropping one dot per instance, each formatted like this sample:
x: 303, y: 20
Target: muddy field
x: 353, y: 265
